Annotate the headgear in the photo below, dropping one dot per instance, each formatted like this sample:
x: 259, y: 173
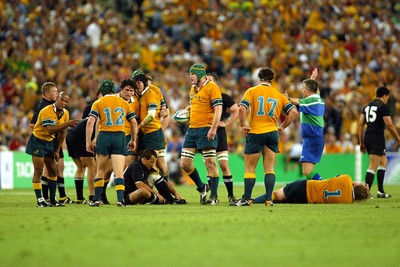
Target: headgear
x: 199, y: 70
x: 141, y: 77
x: 107, y: 87
x: 136, y: 72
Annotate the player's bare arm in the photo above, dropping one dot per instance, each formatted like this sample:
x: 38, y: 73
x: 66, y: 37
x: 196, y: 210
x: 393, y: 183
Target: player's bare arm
x: 234, y: 111
x: 89, y: 130
x: 217, y: 115
x: 52, y: 129
x: 361, y: 123
x: 290, y: 117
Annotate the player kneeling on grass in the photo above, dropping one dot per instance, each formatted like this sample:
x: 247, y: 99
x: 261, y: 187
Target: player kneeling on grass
x: 141, y: 176
x: 338, y: 190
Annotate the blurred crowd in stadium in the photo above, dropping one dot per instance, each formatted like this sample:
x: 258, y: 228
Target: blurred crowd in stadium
x: 77, y: 43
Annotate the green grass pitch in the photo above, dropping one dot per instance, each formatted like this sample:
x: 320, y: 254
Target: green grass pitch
x: 360, y: 234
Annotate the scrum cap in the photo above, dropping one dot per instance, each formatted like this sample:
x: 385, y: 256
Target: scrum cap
x: 199, y: 70
x: 141, y: 78
x: 107, y: 87
x: 136, y: 72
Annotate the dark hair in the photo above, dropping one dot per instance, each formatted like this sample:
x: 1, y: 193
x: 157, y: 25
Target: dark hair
x: 266, y: 74
x: 148, y: 153
x: 46, y: 87
x: 311, y: 85
x: 214, y: 75
x: 128, y: 82
x: 361, y: 192
x: 381, y: 91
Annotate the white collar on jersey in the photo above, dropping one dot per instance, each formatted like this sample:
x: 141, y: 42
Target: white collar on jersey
x: 144, y: 91
x: 55, y: 111
x: 201, y: 86
x: 265, y: 83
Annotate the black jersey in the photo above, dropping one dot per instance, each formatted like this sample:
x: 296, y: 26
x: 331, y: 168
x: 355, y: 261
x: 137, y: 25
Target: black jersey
x: 42, y: 104
x: 86, y: 111
x: 136, y: 172
x: 374, y: 113
x: 79, y: 131
x: 227, y: 102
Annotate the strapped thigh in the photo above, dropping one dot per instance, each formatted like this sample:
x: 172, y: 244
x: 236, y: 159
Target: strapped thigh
x: 212, y: 153
x: 187, y: 154
x: 223, y: 156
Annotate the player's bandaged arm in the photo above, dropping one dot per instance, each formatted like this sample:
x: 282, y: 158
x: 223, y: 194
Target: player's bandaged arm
x: 151, y: 114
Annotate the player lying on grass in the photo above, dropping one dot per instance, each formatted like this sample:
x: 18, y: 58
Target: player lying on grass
x: 338, y: 190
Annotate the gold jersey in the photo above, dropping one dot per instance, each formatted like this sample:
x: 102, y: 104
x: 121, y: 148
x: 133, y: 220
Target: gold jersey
x: 112, y: 112
x: 48, y: 117
x: 135, y: 107
x: 158, y: 92
x: 149, y: 101
x: 202, y: 104
x: 266, y: 104
x: 335, y: 190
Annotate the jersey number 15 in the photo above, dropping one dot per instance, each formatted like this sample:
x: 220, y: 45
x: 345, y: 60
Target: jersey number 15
x: 370, y: 113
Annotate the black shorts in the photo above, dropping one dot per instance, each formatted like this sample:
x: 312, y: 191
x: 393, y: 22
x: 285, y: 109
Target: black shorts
x: 375, y: 144
x: 76, y: 148
x: 222, y: 139
x: 296, y: 192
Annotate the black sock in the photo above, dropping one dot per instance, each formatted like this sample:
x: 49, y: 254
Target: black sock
x: 248, y: 187
x: 369, y: 178
x: 214, y: 181
x: 163, y: 189
x: 228, y: 184
x: 195, y: 176
x: 269, y: 182
x: 53, y: 189
x: 45, y: 187
x: 61, y: 186
x: 381, y: 176
x: 37, y: 189
x: 153, y: 199
x: 79, y: 188
x: 104, y: 190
